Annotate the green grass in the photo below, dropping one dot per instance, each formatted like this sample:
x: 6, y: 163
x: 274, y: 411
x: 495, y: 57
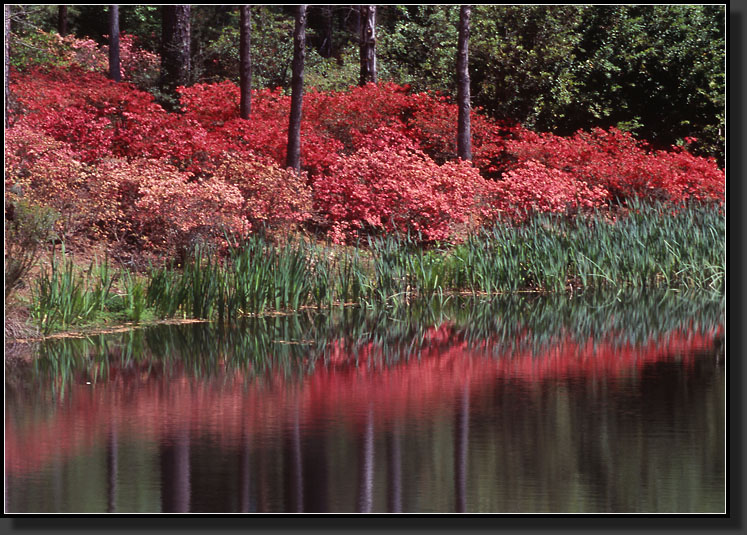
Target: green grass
x: 649, y: 248
x: 64, y: 295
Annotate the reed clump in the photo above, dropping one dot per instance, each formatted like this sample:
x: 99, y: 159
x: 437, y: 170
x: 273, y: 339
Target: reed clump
x: 651, y: 246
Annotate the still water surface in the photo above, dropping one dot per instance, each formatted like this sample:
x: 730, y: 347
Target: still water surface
x: 552, y: 404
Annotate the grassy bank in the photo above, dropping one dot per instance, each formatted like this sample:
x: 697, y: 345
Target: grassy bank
x: 651, y: 247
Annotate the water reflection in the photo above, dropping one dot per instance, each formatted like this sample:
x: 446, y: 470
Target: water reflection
x: 520, y: 404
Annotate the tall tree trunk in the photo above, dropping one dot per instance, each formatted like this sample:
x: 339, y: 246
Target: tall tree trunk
x: 62, y: 20
x: 299, y: 55
x: 6, y: 26
x: 326, y: 49
x: 245, y: 62
x: 114, y: 70
x: 464, y: 134
x: 368, y: 44
x: 175, y: 48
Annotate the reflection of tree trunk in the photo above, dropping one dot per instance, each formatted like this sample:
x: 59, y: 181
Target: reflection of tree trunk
x: 111, y: 469
x: 394, y: 452
x: 262, y: 481
x: 58, y: 489
x: 365, y: 489
x: 461, y: 435
x: 244, y: 472
x: 294, y: 473
x: 175, y: 488
x: 316, y: 486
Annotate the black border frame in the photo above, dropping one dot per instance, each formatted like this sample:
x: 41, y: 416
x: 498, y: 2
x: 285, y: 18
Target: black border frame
x: 731, y: 522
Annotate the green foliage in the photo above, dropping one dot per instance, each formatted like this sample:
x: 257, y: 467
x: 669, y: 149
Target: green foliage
x: 657, y: 71
x: 62, y: 296
x: 271, y: 50
x: 332, y: 74
x: 522, y: 59
x: 65, y: 295
x: 417, y: 45
x: 28, y: 228
x: 659, y: 68
x: 653, y: 246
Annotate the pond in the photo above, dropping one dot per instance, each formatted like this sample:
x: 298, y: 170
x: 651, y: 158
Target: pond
x: 517, y: 404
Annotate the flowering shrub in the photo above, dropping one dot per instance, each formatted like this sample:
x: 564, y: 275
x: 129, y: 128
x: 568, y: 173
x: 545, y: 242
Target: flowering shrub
x: 535, y: 187
x: 147, y: 201
x: 272, y: 196
x: 139, y: 66
x: 101, y: 118
x: 397, y: 189
x: 623, y: 166
x: 45, y: 172
x: 376, y: 159
x: 50, y: 50
x: 172, y: 211
x: 265, y: 133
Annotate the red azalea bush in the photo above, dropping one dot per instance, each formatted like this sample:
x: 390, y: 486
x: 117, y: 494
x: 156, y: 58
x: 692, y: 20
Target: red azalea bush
x: 534, y: 187
x: 172, y: 211
x: 265, y: 133
x: 272, y: 196
x: 376, y: 159
x: 46, y: 172
x: 348, y: 115
x: 393, y: 186
x: 145, y: 201
x: 623, y: 166
x: 101, y: 118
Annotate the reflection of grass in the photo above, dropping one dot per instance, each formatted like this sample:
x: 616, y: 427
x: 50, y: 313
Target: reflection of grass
x: 295, y: 344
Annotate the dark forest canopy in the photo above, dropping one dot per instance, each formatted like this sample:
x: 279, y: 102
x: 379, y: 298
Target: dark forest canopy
x: 657, y: 71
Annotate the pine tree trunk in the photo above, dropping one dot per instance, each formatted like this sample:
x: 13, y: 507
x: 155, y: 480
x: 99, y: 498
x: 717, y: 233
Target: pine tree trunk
x: 299, y: 55
x: 368, y: 44
x: 245, y: 62
x: 464, y: 135
x: 114, y: 70
x: 175, y: 48
x: 326, y: 48
x: 62, y: 20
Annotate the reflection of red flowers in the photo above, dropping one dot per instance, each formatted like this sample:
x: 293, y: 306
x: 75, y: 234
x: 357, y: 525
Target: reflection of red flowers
x: 423, y: 383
